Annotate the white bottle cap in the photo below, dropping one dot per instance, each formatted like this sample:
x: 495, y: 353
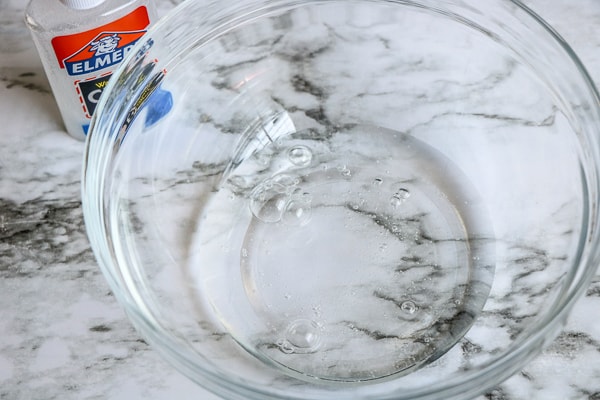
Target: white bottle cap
x: 81, y: 4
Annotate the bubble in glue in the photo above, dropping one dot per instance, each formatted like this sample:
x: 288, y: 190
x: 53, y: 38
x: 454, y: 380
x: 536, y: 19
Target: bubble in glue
x: 300, y: 155
x: 399, y: 197
x: 298, y: 211
x: 302, y: 336
x: 269, y: 199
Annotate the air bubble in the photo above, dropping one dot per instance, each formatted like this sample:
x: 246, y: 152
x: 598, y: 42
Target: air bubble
x: 303, y: 335
x: 298, y: 210
x: 408, y: 307
x: 285, y: 346
x: 399, y: 197
x: 300, y: 156
x: 402, y: 194
x: 268, y: 208
x: 344, y: 170
x: 269, y: 199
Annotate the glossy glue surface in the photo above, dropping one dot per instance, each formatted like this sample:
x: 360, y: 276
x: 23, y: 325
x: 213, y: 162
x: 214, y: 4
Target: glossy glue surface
x: 350, y: 255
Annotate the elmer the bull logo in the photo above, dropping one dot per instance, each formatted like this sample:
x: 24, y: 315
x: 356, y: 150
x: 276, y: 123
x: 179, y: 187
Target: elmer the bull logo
x: 105, y: 50
x: 85, y: 52
x: 89, y: 57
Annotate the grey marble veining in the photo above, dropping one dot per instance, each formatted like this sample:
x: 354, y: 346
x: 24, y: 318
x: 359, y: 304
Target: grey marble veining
x: 63, y: 336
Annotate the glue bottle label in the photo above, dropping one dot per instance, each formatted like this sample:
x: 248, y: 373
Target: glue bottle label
x: 90, y: 57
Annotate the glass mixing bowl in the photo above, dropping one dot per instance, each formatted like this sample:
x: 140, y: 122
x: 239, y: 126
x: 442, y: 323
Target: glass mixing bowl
x: 342, y: 199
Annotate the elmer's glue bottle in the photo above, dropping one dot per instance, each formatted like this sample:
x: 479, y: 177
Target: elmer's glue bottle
x: 81, y: 42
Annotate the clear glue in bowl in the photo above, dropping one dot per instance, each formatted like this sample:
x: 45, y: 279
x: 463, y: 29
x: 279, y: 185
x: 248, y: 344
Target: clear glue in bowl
x: 346, y: 199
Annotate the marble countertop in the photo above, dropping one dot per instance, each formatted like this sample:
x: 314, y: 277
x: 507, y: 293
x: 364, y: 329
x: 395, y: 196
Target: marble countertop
x: 62, y: 334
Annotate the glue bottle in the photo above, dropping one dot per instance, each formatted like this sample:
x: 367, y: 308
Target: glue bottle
x: 81, y: 42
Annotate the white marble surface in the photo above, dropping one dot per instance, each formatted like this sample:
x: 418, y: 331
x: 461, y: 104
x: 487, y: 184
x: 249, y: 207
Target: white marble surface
x: 62, y: 334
